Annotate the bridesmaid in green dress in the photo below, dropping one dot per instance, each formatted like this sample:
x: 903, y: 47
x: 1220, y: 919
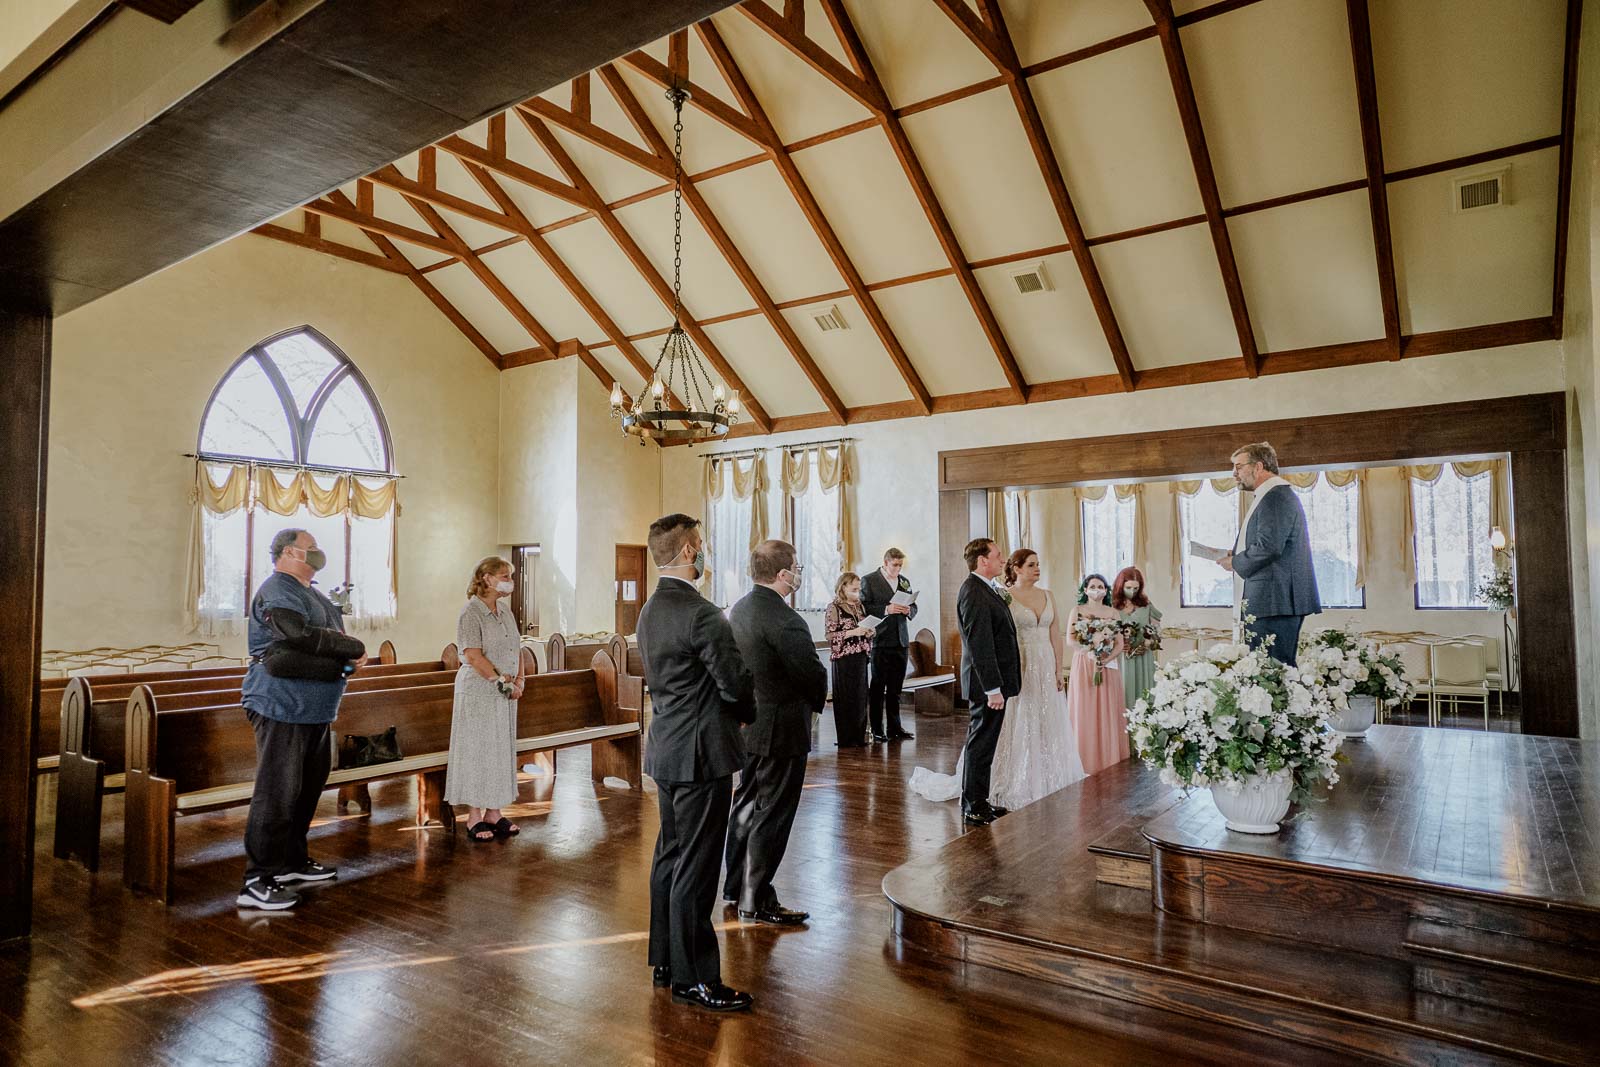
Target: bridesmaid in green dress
x: 1139, y: 662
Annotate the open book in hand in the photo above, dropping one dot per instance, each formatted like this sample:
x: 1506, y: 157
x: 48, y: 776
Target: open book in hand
x: 870, y: 622
x: 1207, y: 552
x: 904, y: 599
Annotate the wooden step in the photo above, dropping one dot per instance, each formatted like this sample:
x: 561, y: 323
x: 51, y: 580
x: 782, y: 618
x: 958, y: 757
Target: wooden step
x: 1122, y: 857
x: 1491, y: 950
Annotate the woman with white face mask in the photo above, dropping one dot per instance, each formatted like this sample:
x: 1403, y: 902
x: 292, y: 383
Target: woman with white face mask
x: 483, y: 724
x: 1095, y: 700
x: 1130, y: 595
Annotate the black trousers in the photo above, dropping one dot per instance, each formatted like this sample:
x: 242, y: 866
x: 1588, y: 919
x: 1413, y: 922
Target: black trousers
x: 683, y: 878
x: 850, y: 698
x: 758, y: 830
x: 1285, y: 631
x: 883, y: 695
x: 983, y: 733
x: 292, y: 764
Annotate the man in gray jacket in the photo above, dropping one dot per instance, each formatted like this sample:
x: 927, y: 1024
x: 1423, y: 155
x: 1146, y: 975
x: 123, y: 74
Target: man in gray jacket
x: 1274, y: 580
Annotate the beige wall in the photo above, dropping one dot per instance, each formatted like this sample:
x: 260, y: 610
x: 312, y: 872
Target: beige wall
x: 131, y: 376
x: 619, y: 496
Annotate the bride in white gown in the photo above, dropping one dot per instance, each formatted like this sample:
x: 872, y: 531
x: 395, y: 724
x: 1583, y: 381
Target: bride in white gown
x: 1038, y: 751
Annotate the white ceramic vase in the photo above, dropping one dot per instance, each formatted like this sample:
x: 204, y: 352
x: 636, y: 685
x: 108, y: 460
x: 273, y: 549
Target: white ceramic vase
x: 1257, y: 807
x: 1354, y: 722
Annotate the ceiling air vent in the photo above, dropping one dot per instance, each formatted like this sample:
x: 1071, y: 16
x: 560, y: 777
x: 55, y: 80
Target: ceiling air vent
x: 1031, y: 279
x: 1478, y: 192
x: 830, y: 319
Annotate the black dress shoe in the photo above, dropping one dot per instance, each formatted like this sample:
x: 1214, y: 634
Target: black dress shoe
x: 977, y: 818
x: 778, y: 915
x: 997, y: 811
x: 661, y: 976
x: 880, y: 739
x: 712, y: 997
x: 902, y: 735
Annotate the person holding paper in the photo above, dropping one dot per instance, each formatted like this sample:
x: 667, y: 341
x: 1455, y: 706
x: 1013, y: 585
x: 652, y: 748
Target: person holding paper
x: 1274, y: 581
x: 887, y: 593
x: 850, y: 646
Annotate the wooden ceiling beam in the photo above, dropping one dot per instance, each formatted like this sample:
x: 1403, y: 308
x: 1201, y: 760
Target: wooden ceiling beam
x: 1200, y: 156
x: 1569, y: 107
x: 598, y: 136
x: 326, y: 247
x: 867, y: 91
x: 345, y: 211
x: 463, y: 149
x: 900, y: 141
x: 641, y: 262
x: 767, y: 137
x: 1357, y: 15
x: 700, y: 98
x: 994, y: 39
x: 725, y: 244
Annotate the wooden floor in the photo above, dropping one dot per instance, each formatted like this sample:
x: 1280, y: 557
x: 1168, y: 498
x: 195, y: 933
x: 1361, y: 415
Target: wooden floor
x: 428, y: 951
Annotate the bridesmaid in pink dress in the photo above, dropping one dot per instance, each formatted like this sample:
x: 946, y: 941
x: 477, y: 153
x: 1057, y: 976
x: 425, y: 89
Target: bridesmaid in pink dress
x: 1097, y: 711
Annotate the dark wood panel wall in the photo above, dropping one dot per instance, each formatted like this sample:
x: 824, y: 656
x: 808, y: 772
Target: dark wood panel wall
x: 1533, y: 429
x: 24, y: 440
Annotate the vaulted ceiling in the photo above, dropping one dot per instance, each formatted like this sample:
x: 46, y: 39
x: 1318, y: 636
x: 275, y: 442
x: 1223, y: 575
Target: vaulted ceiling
x: 1212, y: 189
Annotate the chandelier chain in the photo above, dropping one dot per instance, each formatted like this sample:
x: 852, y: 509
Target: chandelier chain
x: 677, y: 96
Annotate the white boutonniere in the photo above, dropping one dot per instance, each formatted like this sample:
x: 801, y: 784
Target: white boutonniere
x: 903, y: 584
x: 1005, y: 594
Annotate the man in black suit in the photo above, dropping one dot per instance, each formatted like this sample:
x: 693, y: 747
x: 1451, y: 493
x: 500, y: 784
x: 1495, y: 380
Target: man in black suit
x: 889, y: 645
x: 991, y: 671
x: 699, y: 692
x: 790, y: 686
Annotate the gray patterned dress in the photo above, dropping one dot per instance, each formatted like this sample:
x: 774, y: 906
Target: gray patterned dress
x: 483, y: 724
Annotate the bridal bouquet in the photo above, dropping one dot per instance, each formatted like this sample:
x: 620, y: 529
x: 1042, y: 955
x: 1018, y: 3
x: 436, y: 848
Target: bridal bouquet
x: 1142, y: 639
x: 1356, y: 666
x: 1232, y: 713
x: 1099, y: 636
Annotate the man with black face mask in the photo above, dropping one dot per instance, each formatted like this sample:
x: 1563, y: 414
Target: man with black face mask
x: 700, y: 691
x: 291, y: 716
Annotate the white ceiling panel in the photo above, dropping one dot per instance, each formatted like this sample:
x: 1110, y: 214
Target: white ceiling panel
x: 453, y: 178
x: 343, y: 233
x: 855, y: 361
x: 756, y: 352
x: 1043, y: 31
x: 1282, y: 119
x: 917, y: 50
x: 1465, y: 76
x: 1169, y: 297
x: 619, y: 368
x: 1054, y: 334
x: 591, y: 254
x: 542, y: 293
x: 612, y: 175
x: 388, y: 204
x: 1475, y: 267
x: 707, y: 143
x: 941, y: 334
x: 865, y: 194
x: 475, y: 233
x: 1114, y: 124
x: 710, y: 287
x: 799, y: 101
x: 1309, y: 272
x: 983, y: 170
x: 761, y: 216
x: 480, y: 307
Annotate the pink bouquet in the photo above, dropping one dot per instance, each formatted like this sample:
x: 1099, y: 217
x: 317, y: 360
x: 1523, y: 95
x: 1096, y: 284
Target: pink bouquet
x: 1100, y: 637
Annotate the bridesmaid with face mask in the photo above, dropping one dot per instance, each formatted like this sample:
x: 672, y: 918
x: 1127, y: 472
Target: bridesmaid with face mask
x: 1130, y: 596
x: 1096, y: 708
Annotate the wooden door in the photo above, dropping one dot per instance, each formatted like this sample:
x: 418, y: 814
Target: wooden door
x: 630, y: 591
x: 524, y: 575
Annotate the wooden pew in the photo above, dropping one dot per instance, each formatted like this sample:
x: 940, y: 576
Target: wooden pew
x: 625, y: 654
x: 203, y: 759
x: 93, y: 739
x: 52, y: 691
x: 558, y: 653
x: 932, y: 684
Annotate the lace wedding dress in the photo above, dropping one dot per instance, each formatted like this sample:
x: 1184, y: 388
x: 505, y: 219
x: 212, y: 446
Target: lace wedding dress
x: 1037, y: 752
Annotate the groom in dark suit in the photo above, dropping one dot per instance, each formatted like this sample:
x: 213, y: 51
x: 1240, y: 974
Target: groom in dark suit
x: 791, y: 686
x: 1272, y: 556
x: 699, y: 693
x: 991, y: 671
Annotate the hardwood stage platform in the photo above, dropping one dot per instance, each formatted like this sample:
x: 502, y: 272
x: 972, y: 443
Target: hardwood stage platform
x: 1441, y: 906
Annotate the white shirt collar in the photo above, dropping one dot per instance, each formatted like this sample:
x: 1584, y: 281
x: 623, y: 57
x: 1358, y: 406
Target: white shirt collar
x: 1270, y: 482
x: 685, y: 581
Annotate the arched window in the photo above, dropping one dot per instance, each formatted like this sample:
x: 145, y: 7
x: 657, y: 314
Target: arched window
x: 292, y: 437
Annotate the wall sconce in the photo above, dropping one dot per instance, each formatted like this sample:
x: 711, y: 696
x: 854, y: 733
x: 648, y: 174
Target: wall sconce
x: 1497, y: 539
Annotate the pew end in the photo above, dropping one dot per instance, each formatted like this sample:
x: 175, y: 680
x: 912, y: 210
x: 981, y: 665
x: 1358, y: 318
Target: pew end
x: 387, y: 653
x: 621, y: 703
x: 150, y: 802
x: 450, y: 657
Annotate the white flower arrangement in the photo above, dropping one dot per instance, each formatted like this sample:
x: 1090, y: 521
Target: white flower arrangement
x: 1357, y: 665
x: 1220, y: 716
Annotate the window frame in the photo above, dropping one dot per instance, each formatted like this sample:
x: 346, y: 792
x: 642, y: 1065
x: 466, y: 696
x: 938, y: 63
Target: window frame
x: 1083, y: 537
x: 790, y: 528
x: 1233, y: 502
x: 1416, y: 533
x: 1354, y: 489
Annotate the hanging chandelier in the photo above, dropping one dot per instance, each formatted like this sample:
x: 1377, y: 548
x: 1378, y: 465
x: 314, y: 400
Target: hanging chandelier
x: 673, y: 405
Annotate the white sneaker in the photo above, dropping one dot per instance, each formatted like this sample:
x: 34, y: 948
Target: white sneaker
x: 267, y: 895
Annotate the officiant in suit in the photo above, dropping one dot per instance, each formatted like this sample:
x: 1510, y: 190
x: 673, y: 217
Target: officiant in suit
x: 700, y: 691
x: 790, y: 686
x: 1274, y: 580
x: 890, y: 646
x: 991, y: 671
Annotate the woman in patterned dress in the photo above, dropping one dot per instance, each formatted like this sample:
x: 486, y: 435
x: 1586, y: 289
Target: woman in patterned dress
x: 483, y: 723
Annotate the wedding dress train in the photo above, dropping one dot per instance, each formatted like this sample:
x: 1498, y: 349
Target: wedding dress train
x: 1038, y: 751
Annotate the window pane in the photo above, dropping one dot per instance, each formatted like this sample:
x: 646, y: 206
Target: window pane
x: 346, y: 433
x: 1334, y: 520
x: 329, y: 533
x: 1107, y: 535
x: 1211, y: 518
x: 1452, y: 539
x: 223, y: 604
x: 728, y: 551
x: 371, y: 570
x: 247, y: 419
x: 304, y: 364
x: 816, y: 542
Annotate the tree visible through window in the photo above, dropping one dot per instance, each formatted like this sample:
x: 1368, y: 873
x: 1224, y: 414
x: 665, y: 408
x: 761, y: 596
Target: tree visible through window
x: 1212, y: 519
x: 1333, y: 517
x: 1451, y: 518
x: 1107, y: 534
x: 296, y: 405
x: 814, y: 522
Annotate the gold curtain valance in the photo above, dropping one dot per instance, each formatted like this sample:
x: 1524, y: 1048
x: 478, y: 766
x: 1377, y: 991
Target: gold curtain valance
x: 282, y: 491
x: 748, y: 484
x: 1429, y: 474
x: 835, y: 473
x: 1221, y: 486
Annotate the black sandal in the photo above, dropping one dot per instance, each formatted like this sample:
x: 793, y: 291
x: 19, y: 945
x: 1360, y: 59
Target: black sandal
x: 506, y: 828
x: 479, y: 827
